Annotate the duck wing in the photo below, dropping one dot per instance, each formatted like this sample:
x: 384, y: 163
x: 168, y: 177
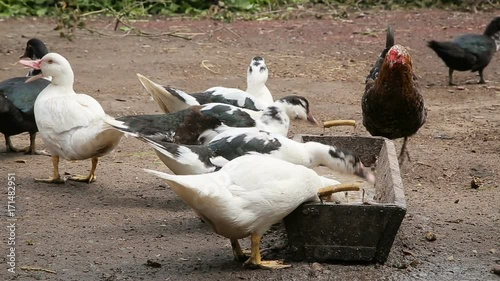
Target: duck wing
x: 230, y: 115
x: 69, y: 113
x: 183, y: 159
x: 22, y: 95
x: 232, y: 96
x: 240, y: 141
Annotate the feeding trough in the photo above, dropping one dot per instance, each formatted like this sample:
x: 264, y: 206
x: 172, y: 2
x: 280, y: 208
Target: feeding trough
x: 346, y: 231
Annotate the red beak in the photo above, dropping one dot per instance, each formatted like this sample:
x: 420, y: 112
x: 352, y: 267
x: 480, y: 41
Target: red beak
x: 313, y: 120
x: 35, y: 64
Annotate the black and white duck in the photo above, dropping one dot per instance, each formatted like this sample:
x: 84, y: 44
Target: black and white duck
x: 236, y: 142
x: 256, y: 97
x: 199, y: 124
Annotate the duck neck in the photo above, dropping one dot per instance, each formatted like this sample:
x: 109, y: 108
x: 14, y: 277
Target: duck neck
x: 496, y: 38
x: 64, y: 81
x: 493, y: 31
x: 256, y: 86
x: 259, y: 90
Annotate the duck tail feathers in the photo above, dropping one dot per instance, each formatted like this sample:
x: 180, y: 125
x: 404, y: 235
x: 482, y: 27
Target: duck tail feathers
x: 118, y: 125
x: 168, y: 99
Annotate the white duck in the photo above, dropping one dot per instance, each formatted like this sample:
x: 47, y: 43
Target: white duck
x: 247, y: 196
x: 256, y: 97
x: 70, y: 124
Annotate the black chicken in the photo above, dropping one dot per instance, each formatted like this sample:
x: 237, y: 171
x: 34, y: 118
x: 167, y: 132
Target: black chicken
x: 392, y: 105
x: 17, y: 99
x: 469, y: 51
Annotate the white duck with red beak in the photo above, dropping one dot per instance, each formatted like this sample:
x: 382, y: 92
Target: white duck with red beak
x: 70, y: 124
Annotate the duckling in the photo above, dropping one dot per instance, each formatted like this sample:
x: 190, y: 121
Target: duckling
x: 256, y: 97
x: 70, y: 124
x: 247, y: 196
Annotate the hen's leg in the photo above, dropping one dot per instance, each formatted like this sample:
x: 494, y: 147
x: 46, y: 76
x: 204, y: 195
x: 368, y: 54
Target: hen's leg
x: 404, y: 152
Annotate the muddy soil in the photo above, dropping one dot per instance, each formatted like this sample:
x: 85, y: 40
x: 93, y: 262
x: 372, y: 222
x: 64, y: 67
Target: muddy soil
x: 109, y: 229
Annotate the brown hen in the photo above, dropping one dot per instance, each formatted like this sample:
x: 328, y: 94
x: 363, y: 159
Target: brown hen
x: 392, y: 104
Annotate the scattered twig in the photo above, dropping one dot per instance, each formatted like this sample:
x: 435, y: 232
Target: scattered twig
x: 34, y: 268
x: 424, y: 164
x: 208, y: 68
x: 93, y: 13
x: 232, y: 31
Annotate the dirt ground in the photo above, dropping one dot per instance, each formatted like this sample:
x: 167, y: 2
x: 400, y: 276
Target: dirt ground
x: 109, y: 229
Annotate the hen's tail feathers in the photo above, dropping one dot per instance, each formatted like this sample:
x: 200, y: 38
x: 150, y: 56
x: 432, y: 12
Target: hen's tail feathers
x: 389, y: 42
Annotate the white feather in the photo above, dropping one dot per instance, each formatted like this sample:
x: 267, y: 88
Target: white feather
x: 71, y: 125
x: 248, y: 195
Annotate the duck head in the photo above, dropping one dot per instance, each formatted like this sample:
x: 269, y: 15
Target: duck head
x: 297, y: 107
x: 35, y: 49
x: 52, y: 65
x: 338, y: 160
x: 493, y: 31
x: 257, y: 72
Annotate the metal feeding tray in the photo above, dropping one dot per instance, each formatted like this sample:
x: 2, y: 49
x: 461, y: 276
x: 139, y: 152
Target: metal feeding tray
x: 352, y: 232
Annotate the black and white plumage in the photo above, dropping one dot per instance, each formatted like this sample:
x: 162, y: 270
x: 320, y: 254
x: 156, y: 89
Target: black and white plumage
x: 17, y: 100
x: 194, y: 125
x: 236, y: 142
x: 469, y: 51
x: 256, y: 97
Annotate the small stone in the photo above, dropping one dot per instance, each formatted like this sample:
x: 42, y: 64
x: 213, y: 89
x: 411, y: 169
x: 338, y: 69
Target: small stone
x: 154, y: 264
x: 415, y: 263
x: 400, y: 265
x: 474, y: 251
x: 430, y: 236
x: 475, y: 183
x: 496, y: 269
x: 315, y: 266
x: 456, y: 201
x: 492, y: 251
x: 451, y: 258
